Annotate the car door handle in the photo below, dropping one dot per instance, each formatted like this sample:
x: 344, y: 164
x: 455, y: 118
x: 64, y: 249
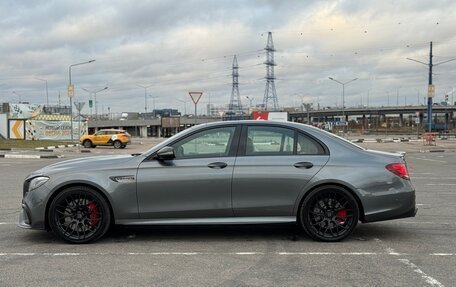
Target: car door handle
x: 218, y: 165
x: 303, y: 164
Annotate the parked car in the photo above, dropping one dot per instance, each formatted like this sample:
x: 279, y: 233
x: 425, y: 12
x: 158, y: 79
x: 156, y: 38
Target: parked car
x: 238, y: 172
x: 109, y: 137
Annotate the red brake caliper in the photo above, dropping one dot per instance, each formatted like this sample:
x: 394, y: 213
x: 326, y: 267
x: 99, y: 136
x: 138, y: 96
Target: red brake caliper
x: 93, y: 215
x: 341, y: 215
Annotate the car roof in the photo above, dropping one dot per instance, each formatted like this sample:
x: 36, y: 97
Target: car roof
x: 257, y: 122
x: 111, y: 130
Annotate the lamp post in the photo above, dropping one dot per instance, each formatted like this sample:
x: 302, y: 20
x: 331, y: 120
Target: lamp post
x: 153, y: 103
x: 185, y: 106
x: 145, y: 96
x: 71, y: 92
x: 17, y: 94
x: 250, y: 100
x: 96, y: 103
x: 47, y: 93
x: 343, y: 94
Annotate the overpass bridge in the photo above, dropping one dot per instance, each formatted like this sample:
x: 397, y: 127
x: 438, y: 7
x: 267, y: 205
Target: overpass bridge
x: 404, y: 115
x: 368, y: 117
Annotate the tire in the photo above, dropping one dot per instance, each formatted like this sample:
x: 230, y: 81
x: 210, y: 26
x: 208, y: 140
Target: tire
x: 87, y: 144
x: 123, y: 146
x: 329, y: 214
x: 79, y: 215
x: 117, y: 144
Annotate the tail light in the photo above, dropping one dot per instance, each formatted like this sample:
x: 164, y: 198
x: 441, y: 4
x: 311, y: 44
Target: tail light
x: 398, y: 169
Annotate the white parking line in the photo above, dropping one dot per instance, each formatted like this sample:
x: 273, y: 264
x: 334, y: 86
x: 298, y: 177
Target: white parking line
x: 389, y: 252
x: 427, y: 278
x: 440, y: 184
x: 443, y: 254
x: 427, y: 159
x: 427, y: 178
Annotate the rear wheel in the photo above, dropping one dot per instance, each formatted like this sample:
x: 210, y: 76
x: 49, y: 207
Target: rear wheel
x: 329, y: 213
x: 123, y: 146
x: 87, y: 144
x: 79, y: 214
x: 117, y: 144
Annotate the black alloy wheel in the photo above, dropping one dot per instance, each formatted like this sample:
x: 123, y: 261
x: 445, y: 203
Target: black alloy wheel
x: 117, y: 144
x: 87, y: 144
x: 329, y: 213
x: 79, y: 215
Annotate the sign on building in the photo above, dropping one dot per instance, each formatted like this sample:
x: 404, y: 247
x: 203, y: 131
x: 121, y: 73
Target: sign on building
x: 270, y: 116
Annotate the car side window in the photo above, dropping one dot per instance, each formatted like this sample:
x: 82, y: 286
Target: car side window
x: 209, y: 143
x: 307, y: 145
x: 262, y: 140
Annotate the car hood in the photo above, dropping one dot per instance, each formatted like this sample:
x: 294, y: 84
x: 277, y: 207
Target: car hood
x: 87, y: 164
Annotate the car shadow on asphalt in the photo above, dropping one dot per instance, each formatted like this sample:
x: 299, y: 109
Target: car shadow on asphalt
x: 271, y: 232
x: 224, y: 233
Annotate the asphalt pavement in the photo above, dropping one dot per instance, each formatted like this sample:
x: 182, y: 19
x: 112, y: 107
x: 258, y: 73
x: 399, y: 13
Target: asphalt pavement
x: 418, y: 251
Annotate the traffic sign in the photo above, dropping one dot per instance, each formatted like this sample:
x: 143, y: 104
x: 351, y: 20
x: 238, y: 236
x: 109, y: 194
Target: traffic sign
x: 70, y: 91
x: 79, y: 106
x: 196, y: 96
x: 431, y: 91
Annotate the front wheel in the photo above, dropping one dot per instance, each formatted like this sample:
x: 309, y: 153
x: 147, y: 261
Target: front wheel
x: 87, y: 144
x: 79, y: 214
x: 329, y: 213
x: 117, y: 144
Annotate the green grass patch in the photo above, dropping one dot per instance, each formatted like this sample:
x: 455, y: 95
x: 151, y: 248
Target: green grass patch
x: 7, y: 144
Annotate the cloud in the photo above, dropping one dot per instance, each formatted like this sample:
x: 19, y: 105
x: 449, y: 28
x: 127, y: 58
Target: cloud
x: 179, y: 46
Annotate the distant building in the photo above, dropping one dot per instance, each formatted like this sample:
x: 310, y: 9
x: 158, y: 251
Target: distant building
x: 166, y: 113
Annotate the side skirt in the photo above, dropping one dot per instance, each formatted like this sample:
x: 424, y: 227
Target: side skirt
x: 208, y: 221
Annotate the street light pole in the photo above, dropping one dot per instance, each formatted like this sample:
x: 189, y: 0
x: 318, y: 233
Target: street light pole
x: 153, y: 103
x: 71, y: 96
x: 47, y: 93
x: 343, y: 93
x: 17, y: 94
x: 95, y: 97
x: 145, y: 96
x: 185, y: 106
x: 250, y: 100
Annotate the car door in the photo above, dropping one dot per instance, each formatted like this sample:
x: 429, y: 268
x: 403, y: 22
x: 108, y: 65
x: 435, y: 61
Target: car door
x: 273, y: 166
x: 98, y: 137
x: 197, y: 183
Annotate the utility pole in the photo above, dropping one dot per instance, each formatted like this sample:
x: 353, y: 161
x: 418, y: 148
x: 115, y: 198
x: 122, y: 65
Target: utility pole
x: 235, y: 105
x: 431, y: 88
x: 270, y: 94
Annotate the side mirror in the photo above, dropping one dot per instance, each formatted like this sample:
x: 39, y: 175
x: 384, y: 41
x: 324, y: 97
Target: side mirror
x: 166, y: 153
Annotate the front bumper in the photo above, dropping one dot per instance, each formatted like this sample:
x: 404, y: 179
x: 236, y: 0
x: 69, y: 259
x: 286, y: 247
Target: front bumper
x: 24, y: 218
x: 33, y: 211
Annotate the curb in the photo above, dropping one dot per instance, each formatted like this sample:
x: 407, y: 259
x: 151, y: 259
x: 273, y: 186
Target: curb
x: 433, y: 150
x: 52, y: 147
x: 29, y: 156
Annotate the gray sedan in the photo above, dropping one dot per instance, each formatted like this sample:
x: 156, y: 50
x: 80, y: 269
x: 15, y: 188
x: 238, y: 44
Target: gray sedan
x: 239, y: 172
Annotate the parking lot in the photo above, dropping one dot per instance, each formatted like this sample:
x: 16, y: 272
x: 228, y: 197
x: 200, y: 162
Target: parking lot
x: 418, y: 251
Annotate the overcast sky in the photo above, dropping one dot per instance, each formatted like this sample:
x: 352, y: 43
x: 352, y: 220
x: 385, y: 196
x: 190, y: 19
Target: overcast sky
x: 181, y: 46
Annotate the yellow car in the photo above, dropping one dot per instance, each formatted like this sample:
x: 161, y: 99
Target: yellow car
x: 116, y: 138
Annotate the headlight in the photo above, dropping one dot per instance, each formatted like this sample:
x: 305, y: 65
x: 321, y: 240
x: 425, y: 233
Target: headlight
x: 37, y: 182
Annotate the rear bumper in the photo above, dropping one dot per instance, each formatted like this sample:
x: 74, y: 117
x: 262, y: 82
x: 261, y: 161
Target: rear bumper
x: 404, y: 207
x: 381, y: 217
